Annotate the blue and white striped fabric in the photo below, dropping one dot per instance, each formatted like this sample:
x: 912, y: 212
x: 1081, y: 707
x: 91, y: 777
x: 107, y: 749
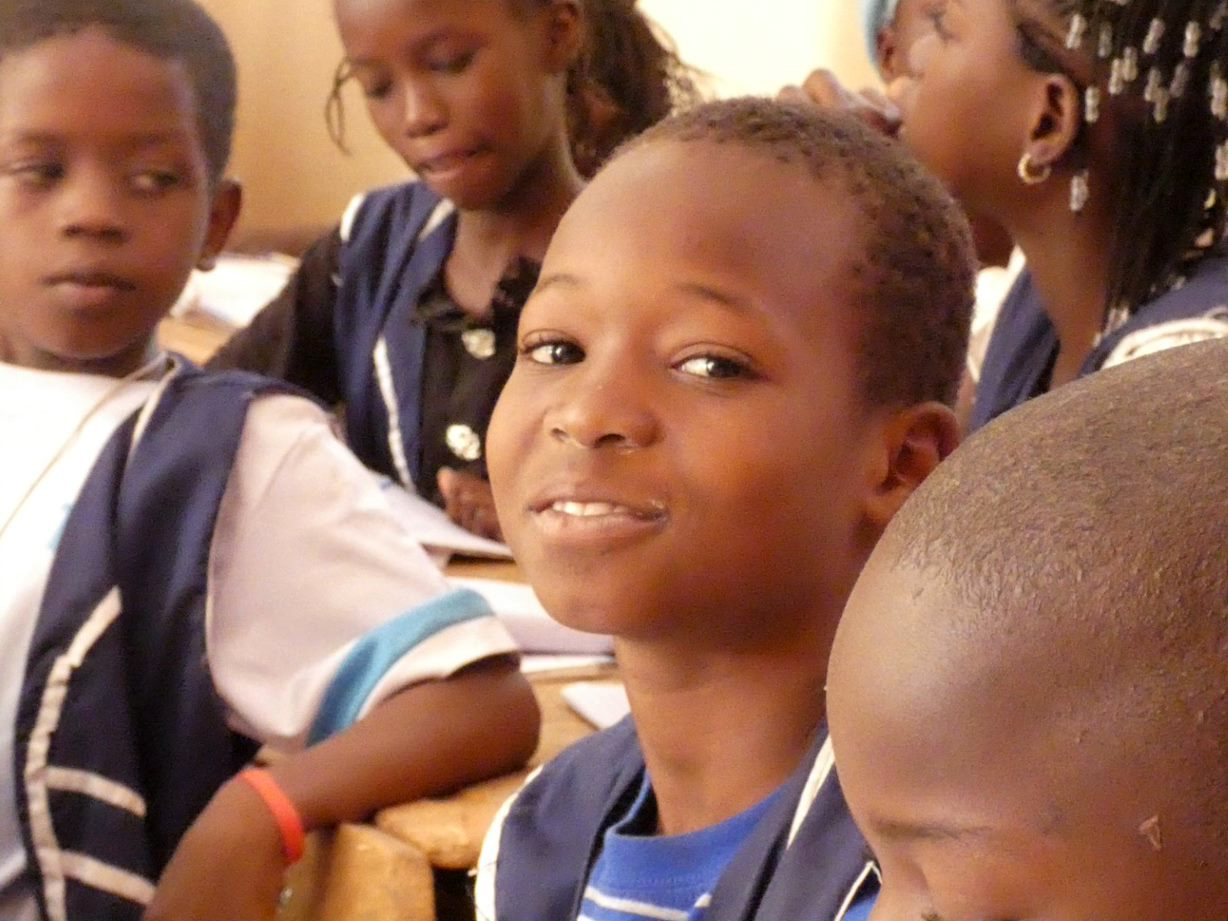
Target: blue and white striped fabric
x: 641, y: 875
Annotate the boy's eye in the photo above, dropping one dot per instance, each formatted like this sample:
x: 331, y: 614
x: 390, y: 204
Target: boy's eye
x: 557, y: 352
x: 714, y: 367
x: 37, y: 172
x: 154, y: 180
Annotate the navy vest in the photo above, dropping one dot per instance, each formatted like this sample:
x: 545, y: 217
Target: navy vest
x: 552, y: 830
x: 1024, y: 342
x: 396, y: 245
x: 121, y: 738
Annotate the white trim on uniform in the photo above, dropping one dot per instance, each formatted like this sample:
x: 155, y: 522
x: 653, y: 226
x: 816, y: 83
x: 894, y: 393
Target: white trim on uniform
x: 87, y: 783
x: 856, y: 888
x: 488, y: 857
x: 387, y: 389
x: 824, y: 762
x: 42, y: 832
x: 107, y: 878
x: 351, y: 212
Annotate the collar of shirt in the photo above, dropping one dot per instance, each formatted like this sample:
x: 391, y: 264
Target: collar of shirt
x: 438, y: 311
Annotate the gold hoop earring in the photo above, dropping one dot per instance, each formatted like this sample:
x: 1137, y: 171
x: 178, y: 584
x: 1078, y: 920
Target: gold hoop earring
x: 1028, y: 173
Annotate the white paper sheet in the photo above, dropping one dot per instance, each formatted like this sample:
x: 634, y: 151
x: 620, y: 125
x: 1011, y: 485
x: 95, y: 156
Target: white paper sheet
x: 433, y: 529
x: 237, y: 288
x: 602, y: 703
x: 531, y: 627
x: 537, y: 663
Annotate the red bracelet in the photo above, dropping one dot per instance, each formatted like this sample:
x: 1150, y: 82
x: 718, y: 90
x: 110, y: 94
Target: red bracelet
x: 285, y: 813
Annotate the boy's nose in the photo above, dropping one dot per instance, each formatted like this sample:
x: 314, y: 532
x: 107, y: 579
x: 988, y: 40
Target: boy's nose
x: 92, y: 205
x: 597, y: 413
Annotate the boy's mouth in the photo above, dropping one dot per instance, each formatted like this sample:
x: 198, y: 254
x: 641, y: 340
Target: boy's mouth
x: 89, y: 289
x: 90, y: 279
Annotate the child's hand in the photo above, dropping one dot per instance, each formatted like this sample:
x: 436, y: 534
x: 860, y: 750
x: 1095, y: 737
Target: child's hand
x: 469, y: 502
x: 229, y: 864
x: 821, y: 88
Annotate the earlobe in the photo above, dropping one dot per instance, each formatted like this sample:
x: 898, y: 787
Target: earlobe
x: 1055, y: 123
x: 223, y: 213
x: 916, y: 441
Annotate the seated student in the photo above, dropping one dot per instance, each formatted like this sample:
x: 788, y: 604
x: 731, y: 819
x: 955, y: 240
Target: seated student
x: 1029, y: 687
x: 713, y: 415
x: 1105, y: 157
x: 891, y: 27
x: 407, y: 311
x: 190, y: 564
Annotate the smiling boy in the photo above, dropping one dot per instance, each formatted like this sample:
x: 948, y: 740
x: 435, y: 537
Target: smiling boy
x: 1029, y: 687
x: 714, y: 413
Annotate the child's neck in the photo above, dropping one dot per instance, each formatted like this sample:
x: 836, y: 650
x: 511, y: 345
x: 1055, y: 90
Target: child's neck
x: 722, y: 730
x: 1068, y: 258
x: 489, y: 241
x: 122, y: 364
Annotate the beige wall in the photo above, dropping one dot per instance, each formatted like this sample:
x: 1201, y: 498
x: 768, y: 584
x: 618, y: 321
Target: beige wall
x: 287, y: 50
x: 293, y: 175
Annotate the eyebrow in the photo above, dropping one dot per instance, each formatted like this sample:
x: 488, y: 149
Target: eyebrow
x: 417, y: 46
x: 692, y: 289
x: 930, y: 831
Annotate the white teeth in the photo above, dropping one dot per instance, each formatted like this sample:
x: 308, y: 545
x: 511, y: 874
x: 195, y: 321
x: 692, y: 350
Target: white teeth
x: 583, y: 509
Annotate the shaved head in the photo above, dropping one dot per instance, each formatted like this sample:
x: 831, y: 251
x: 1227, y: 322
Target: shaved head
x: 1031, y: 676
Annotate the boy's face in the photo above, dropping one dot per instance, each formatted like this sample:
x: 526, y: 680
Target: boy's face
x: 104, y: 200
x: 682, y: 447
x: 982, y: 791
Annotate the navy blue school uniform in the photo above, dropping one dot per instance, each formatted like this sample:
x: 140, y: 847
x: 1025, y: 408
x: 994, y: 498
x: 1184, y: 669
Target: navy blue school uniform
x: 117, y: 689
x: 803, y: 860
x: 1023, y: 347
x: 367, y: 322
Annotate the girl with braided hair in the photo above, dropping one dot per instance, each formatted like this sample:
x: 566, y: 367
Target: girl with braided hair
x: 1106, y: 159
x: 1095, y: 132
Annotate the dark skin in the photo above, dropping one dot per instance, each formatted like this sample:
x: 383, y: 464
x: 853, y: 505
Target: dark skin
x: 426, y: 740
x: 108, y: 205
x: 472, y: 97
x: 969, y: 58
x: 989, y: 788
x: 665, y: 377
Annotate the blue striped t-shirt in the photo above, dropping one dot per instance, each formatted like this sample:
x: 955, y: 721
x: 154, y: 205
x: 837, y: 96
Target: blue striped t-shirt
x: 641, y: 875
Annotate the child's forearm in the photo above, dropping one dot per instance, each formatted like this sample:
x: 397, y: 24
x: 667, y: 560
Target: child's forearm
x: 428, y: 739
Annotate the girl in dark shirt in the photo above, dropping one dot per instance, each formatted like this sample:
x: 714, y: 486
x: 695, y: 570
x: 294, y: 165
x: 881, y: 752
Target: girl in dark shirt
x: 406, y: 312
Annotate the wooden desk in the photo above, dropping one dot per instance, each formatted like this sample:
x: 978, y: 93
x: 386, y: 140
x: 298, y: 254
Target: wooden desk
x: 393, y: 869
x: 193, y: 335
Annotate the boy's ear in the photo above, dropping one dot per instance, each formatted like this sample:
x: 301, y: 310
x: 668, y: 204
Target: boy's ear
x: 565, y: 35
x: 1055, y: 120
x: 915, y: 442
x: 223, y: 213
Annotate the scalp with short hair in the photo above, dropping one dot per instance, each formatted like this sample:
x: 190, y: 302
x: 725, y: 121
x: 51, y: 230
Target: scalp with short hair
x: 916, y: 269
x: 174, y: 30
x: 1086, y: 533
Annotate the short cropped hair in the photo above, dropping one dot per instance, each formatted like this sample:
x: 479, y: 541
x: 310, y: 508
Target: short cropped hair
x: 174, y: 30
x: 915, y: 273
x: 1088, y: 530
